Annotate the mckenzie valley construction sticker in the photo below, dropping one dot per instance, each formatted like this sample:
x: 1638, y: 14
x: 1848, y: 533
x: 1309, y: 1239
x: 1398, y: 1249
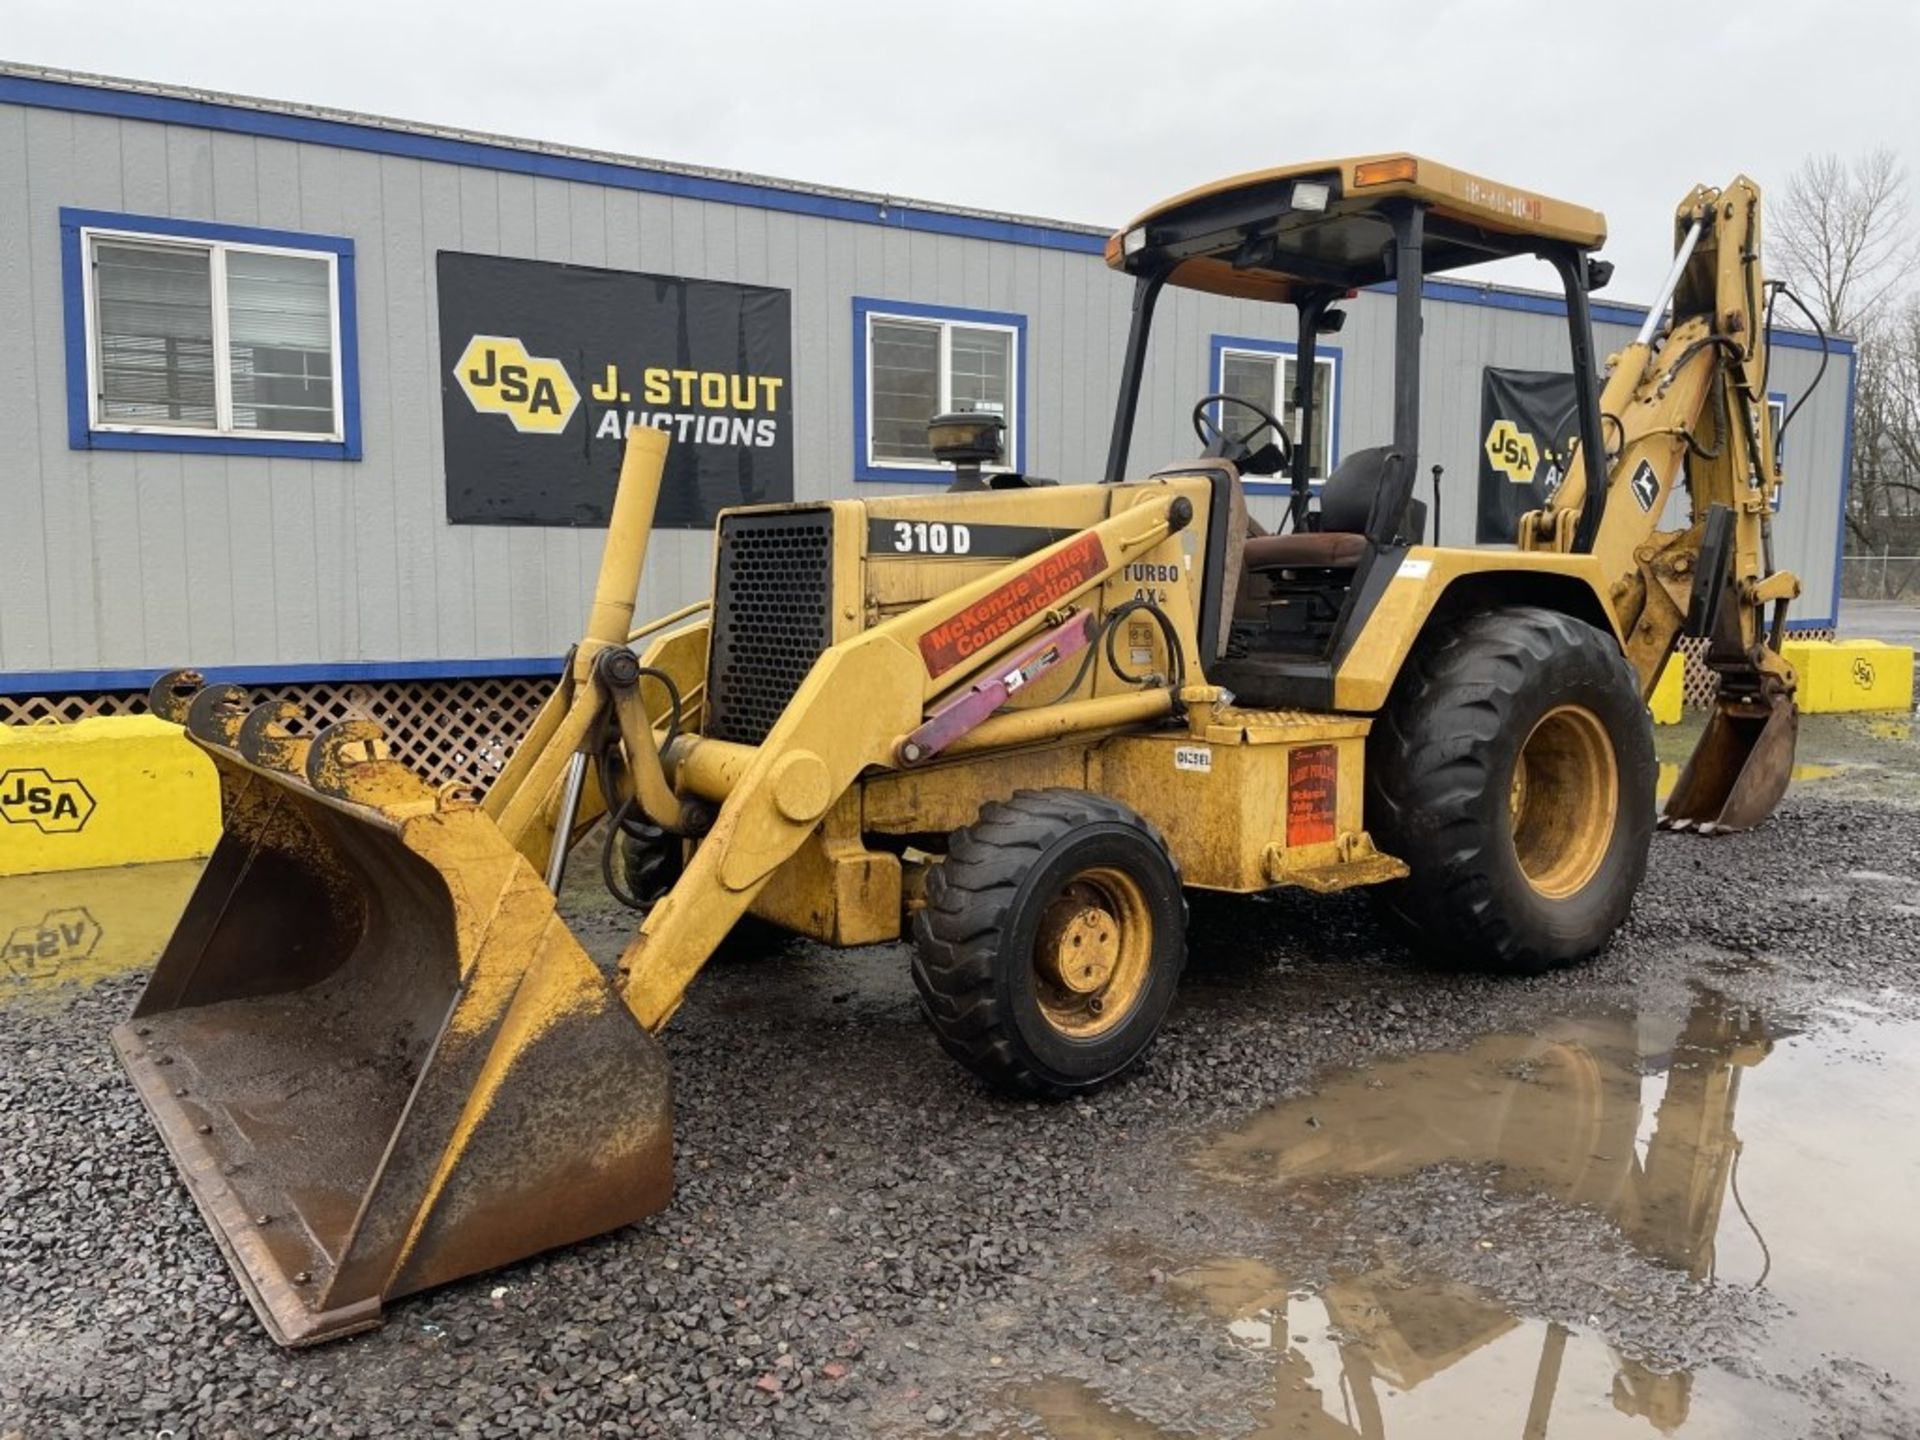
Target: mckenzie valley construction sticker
x: 1006, y: 608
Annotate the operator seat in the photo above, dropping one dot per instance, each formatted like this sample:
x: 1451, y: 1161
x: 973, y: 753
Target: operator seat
x: 1346, y: 503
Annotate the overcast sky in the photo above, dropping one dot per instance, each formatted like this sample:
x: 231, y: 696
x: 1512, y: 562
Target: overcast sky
x: 1080, y: 111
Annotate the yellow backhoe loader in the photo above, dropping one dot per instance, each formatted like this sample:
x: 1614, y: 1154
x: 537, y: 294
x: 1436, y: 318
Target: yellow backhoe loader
x: 1017, y: 720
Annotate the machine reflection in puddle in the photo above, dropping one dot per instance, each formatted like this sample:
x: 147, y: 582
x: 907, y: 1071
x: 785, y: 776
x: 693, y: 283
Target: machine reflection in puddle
x: 1631, y: 1116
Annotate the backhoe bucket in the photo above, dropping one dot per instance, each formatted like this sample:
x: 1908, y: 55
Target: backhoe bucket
x: 379, y: 1058
x: 1740, y: 768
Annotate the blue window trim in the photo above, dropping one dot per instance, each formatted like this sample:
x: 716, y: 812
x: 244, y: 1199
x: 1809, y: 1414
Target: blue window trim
x: 64, y: 682
x: 1217, y: 350
x: 80, y: 433
x: 864, y: 307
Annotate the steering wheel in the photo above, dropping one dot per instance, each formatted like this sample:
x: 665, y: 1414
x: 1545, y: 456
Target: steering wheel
x: 1238, y: 447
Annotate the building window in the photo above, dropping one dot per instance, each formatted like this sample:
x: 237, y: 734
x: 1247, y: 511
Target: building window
x: 1777, y: 417
x: 917, y: 361
x: 199, y: 338
x: 1265, y: 371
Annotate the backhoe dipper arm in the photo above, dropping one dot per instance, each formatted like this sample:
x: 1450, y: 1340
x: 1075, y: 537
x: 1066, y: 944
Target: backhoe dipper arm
x: 862, y: 697
x: 1692, y: 400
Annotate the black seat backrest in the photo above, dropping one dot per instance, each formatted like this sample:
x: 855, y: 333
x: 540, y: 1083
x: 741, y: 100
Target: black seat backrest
x: 1346, y: 500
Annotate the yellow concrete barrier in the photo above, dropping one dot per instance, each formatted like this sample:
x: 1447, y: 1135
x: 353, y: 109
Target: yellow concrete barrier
x: 1669, y: 692
x: 113, y: 790
x: 1837, y: 675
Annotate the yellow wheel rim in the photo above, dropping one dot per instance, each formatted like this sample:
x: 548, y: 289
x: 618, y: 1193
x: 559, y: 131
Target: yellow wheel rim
x: 1092, y: 952
x: 1565, y: 801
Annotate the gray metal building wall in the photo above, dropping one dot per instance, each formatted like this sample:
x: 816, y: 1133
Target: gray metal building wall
x: 124, y: 562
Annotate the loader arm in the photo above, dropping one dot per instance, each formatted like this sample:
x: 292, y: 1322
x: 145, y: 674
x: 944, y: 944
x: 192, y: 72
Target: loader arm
x: 859, y: 702
x: 1686, y: 405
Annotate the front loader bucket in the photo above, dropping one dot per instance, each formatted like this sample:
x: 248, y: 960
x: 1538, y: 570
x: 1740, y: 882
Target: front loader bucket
x: 1740, y: 768
x: 379, y: 1058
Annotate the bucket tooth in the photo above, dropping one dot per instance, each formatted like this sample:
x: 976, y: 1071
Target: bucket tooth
x: 169, y: 696
x: 267, y: 739
x: 350, y: 760
x: 214, y: 716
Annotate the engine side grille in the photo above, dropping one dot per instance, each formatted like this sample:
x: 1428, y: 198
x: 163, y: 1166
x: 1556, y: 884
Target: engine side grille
x: 772, y: 616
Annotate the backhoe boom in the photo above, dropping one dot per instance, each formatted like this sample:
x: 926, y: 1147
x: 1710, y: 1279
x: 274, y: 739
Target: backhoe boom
x: 1685, y: 406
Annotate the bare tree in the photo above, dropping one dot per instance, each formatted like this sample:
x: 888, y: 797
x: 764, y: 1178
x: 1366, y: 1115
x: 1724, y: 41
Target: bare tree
x: 1886, y: 432
x: 1840, y: 236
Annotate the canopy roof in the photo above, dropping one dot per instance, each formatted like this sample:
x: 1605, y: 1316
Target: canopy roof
x: 1262, y: 236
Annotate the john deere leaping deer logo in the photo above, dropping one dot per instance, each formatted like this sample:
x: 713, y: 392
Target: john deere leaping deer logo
x: 1863, y: 672
x: 30, y: 796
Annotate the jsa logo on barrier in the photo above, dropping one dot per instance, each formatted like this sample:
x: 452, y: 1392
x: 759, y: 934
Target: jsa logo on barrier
x: 54, y: 806
x: 532, y: 391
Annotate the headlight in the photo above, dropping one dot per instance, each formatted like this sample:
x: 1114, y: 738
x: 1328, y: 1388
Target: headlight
x: 1311, y: 194
x: 1134, y: 241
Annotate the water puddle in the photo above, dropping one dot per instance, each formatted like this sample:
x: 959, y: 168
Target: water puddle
x: 79, y: 927
x: 1745, y: 1153
x: 1562, y: 1111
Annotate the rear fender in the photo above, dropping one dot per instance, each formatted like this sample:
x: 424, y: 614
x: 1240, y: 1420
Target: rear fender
x: 1433, y: 585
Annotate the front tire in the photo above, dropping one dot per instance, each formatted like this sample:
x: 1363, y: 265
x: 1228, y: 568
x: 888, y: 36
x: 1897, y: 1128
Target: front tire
x: 1513, y: 771
x: 1051, y: 942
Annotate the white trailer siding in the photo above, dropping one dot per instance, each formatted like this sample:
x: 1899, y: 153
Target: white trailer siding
x: 119, y: 563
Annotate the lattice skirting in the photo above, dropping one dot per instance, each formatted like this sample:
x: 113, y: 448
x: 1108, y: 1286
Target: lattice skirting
x: 1699, y: 683
x: 444, y: 729
x: 465, y: 729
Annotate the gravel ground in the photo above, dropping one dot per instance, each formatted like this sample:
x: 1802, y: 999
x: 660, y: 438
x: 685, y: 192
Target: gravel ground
x: 863, y: 1241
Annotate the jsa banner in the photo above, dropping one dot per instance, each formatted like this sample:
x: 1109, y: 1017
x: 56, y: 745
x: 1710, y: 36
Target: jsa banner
x: 545, y: 366
x: 1528, y: 425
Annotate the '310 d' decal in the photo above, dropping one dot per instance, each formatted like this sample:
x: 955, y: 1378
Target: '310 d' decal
x: 971, y: 542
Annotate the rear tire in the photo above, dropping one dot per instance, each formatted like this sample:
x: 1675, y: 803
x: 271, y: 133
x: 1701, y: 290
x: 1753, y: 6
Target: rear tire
x: 1051, y: 942
x: 1513, y: 771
